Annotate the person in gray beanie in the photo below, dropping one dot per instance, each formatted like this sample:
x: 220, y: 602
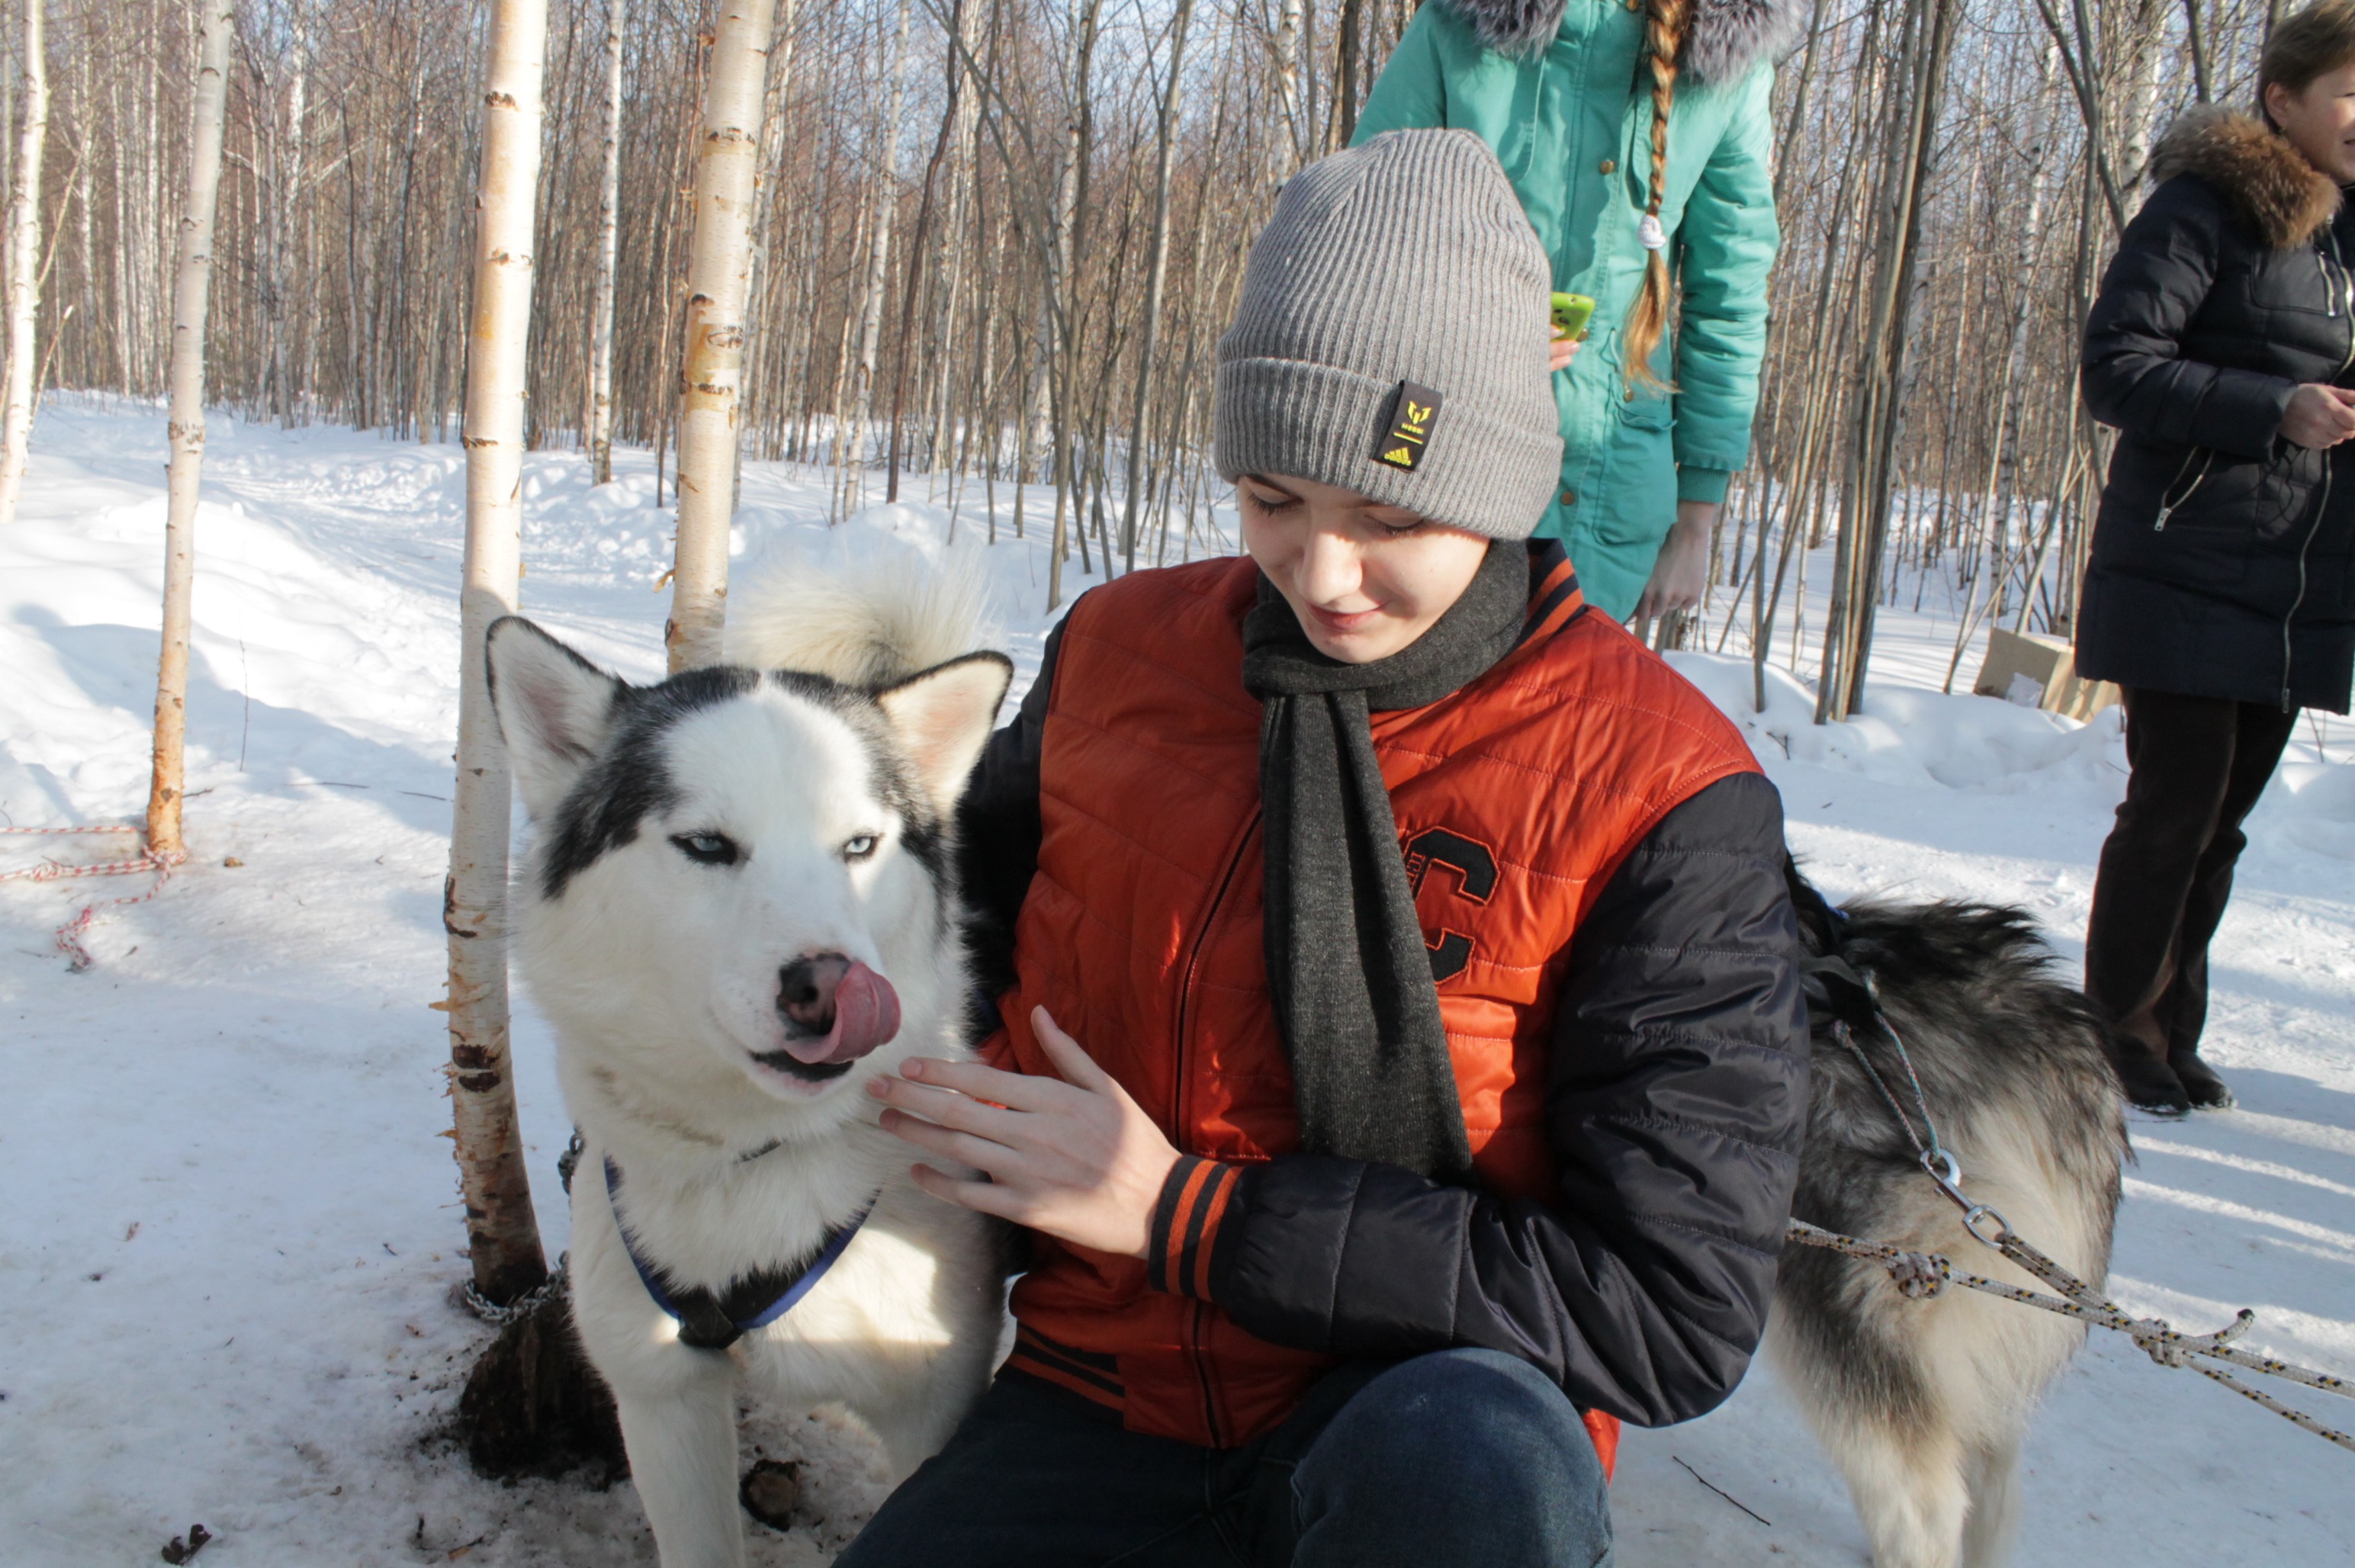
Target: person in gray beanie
x: 1406, y: 263
x: 1397, y: 1063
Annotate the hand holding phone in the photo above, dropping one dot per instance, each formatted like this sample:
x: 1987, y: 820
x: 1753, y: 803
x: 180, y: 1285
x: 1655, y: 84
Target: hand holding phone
x: 1570, y: 315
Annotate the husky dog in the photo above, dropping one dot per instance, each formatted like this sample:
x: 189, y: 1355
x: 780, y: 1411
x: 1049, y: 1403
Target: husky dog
x: 738, y: 907
x: 1924, y: 1402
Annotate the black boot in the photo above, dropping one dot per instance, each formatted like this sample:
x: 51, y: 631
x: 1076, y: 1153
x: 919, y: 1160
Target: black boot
x: 2150, y: 1084
x: 2199, y: 1080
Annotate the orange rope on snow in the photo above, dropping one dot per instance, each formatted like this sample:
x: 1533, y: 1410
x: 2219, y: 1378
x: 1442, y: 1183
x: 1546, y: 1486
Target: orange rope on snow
x: 69, y: 936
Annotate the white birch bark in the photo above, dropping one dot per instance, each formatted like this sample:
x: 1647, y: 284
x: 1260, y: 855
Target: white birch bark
x: 281, y: 217
x: 853, y: 475
x: 764, y: 339
x: 2143, y: 52
x: 1171, y: 100
x: 186, y: 428
x: 505, y: 1237
x: 24, y: 268
x: 609, y: 201
x: 718, y: 284
x: 1066, y: 230
x: 298, y: 98
x: 1287, y: 83
x: 949, y: 261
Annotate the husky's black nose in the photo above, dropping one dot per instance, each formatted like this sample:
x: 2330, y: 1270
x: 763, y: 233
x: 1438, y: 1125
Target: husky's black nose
x: 805, y: 990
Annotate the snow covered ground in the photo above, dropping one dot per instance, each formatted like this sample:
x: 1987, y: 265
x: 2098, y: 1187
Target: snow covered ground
x: 229, y: 1231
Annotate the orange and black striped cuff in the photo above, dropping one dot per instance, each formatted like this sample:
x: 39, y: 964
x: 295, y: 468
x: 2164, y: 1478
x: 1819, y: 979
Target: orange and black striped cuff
x: 1185, y: 1220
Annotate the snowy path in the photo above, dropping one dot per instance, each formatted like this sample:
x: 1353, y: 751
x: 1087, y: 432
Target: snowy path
x: 229, y: 1234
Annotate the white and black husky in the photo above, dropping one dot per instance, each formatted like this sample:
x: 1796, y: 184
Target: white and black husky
x: 1924, y: 1402
x: 739, y: 906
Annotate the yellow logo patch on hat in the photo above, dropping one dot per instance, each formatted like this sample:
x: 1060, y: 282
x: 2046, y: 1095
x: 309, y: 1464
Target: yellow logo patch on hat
x: 1406, y: 431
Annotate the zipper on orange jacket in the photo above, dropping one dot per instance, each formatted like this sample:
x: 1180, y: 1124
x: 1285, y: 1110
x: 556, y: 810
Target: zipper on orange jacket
x: 1177, y: 1097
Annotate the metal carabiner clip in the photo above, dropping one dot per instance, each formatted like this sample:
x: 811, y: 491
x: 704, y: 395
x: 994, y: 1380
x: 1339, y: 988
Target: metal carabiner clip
x: 1948, y: 1172
x: 1944, y: 1170
x: 1973, y: 1214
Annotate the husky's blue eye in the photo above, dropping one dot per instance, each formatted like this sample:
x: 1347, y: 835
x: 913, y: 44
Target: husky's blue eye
x: 709, y: 848
x: 861, y: 848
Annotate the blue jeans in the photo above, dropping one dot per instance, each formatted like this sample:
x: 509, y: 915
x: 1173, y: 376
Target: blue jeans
x: 1463, y: 1456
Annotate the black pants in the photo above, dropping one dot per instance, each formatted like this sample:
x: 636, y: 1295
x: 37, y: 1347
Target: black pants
x: 2197, y: 765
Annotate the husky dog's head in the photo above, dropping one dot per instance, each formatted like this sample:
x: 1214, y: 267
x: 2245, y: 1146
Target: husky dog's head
x: 739, y: 878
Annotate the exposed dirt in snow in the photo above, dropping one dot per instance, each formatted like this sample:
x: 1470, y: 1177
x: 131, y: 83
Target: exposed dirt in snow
x: 230, y: 1232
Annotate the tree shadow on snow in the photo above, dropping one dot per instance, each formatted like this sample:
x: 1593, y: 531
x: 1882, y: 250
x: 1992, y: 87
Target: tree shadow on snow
x: 286, y: 751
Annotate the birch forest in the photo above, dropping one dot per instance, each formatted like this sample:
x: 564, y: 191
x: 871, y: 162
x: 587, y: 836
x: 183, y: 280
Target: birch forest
x: 995, y: 241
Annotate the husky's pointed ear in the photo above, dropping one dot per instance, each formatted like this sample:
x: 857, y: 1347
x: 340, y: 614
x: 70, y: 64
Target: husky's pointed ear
x: 943, y: 719
x: 555, y: 709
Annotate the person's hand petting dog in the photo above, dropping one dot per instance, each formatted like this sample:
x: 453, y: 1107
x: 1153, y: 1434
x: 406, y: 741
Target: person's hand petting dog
x: 1072, y: 1156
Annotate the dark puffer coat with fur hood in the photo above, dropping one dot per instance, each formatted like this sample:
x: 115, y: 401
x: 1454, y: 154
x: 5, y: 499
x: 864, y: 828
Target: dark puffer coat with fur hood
x: 2222, y: 552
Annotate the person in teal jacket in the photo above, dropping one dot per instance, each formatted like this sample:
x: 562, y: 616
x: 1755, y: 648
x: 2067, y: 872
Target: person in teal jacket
x: 1637, y: 136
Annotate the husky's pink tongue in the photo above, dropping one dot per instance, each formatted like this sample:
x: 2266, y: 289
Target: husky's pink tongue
x: 866, y: 1015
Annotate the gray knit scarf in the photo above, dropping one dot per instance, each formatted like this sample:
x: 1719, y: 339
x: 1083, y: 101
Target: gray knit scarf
x: 1345, y: 959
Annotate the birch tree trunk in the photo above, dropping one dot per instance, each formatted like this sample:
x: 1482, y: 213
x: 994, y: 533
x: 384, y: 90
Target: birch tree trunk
x: 186, y: 430
x: 1065, y: 258
x: 2143, y: 49
x: 23, y: 267
x: 505, y: 1237
x: 917, y: 255
x: 1909, y: 164
x: 1159, y: 275
x: 2003, y: 461
x: 609, y: 201
x: 852, y: 477
x: 719, y: 283
x: 1287, y: 84
x: 963, y: 178
x: 283, y: 263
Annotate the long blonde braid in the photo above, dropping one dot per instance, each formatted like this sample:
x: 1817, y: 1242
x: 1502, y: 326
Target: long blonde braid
x: 1664, y: 36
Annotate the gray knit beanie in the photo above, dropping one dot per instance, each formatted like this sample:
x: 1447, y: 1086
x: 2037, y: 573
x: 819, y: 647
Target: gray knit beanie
x: 1391, y: 337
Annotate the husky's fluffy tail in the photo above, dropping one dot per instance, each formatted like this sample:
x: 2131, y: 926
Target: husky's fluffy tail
x: 869, y: 623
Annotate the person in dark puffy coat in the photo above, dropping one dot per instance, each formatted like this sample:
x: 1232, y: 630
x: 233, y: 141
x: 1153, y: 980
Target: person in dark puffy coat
x: 2219, y: 595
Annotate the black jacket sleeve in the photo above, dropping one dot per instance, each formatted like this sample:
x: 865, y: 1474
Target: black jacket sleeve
x: 2135, y: 375
x: 1676, y: 1104
x: 999, y: 830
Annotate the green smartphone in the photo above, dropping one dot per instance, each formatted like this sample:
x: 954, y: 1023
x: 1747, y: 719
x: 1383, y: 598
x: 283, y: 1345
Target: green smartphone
x: 1570, y: 315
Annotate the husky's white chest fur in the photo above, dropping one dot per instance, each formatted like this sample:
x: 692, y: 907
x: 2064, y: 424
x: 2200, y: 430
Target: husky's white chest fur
x: 739, y: 909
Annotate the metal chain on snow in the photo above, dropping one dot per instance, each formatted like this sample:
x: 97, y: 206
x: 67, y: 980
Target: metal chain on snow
x: 523, y: 1305
x: 69, y: 936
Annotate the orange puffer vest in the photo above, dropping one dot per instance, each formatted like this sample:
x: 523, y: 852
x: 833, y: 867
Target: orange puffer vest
x: 1517, y: 798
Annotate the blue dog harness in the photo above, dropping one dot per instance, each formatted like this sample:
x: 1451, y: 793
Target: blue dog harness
x: 713, y: 1322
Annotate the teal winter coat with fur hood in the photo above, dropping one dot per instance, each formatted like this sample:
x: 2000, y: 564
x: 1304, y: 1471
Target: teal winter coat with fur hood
x: 1562, y: 91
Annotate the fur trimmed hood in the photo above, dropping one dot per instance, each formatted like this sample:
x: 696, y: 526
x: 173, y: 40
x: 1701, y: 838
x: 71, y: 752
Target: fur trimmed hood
x: 2265, y: 179
x: 1725, y: 39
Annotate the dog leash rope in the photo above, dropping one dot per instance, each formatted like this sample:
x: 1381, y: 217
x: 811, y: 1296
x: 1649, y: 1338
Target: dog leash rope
x: 1935, y: 1159
x: 1923, y: 1275
x: 1926, y: 1275
x: 68, y: 936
